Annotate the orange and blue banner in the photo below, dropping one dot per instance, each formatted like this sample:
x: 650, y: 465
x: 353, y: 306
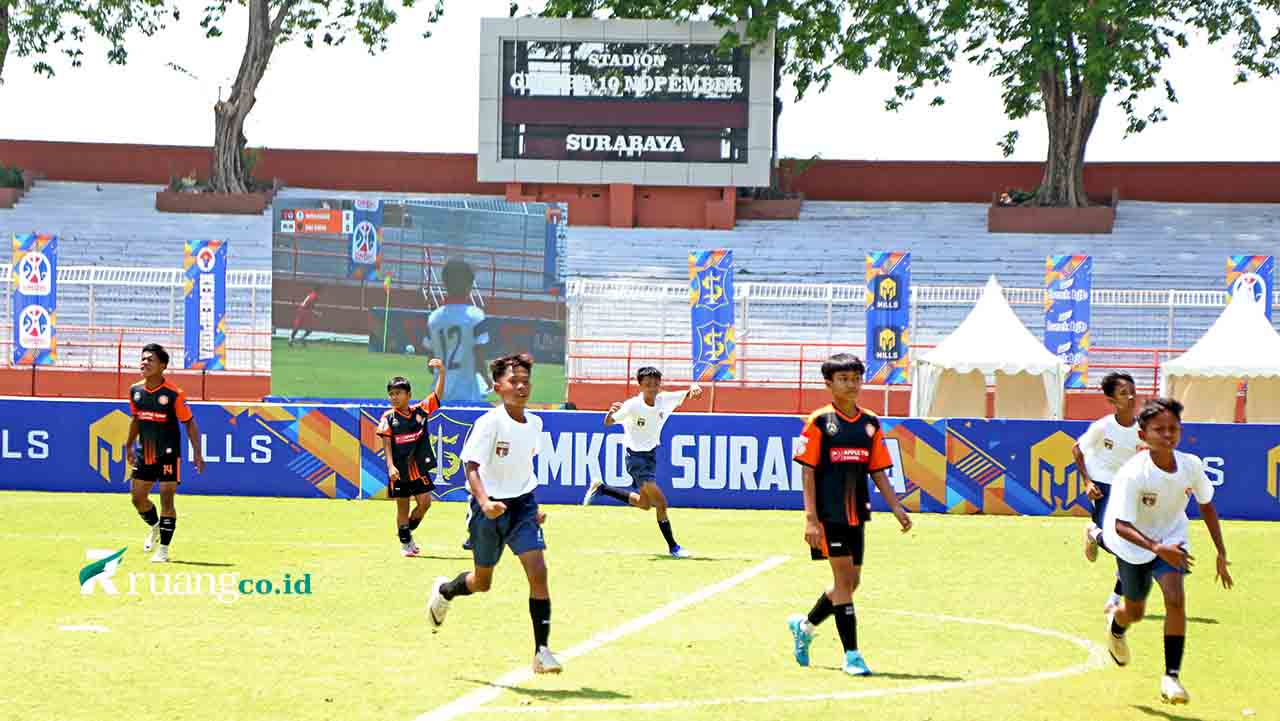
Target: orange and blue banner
x: 366, y: 240
x: 204, y: 292
x: 888, y: 318
x: 1255, y: 274
x: 715, y: 345
x: 35, y: 299
x: 1068, y: 294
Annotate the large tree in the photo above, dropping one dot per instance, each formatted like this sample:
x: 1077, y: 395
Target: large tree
x: 34, y: 28
x: 273, y: 23
x: 1059, y: 57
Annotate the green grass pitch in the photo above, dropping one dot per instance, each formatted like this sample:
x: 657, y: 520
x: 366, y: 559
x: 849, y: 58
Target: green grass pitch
x: 965, y: 618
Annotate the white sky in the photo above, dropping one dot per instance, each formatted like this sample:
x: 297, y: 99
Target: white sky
x: 421, y: 96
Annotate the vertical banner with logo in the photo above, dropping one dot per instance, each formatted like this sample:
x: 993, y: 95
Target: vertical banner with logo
x: 204, y: 292
x: 715, y: 348
x: 35, y: 299
x: 1068, y: 291
x: 888, y: 318
x: 1253, y: 273
x: 366, y: 240
x: 554, y: 250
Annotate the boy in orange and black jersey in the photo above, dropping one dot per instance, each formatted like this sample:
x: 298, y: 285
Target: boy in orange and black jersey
x: 410, y: 457
x: 157, y: 407
x: 842, y: 445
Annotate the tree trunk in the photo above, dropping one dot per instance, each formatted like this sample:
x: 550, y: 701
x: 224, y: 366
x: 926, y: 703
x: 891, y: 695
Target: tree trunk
x: 775, y: 172
x: 1070, y: 113
x: 228, y: 174
x: 4, y: 37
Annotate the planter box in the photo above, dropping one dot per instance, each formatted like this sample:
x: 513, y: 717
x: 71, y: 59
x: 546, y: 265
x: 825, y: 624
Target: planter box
x: 1094, y: 219
x: 168, y: 201
x: 787, y: 209
x: 9, y: 197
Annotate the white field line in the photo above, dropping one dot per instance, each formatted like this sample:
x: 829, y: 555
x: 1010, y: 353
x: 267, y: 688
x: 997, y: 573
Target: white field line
x: 472, y: 701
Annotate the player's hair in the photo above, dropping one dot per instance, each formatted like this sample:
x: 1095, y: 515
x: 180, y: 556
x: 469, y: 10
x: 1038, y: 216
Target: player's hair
x: 1112, y: 379
x: 500, y: 367
x: 648, y: 372
x: 399, y: 383
x: 1155, y: 407
x: 458, y: 276
x: 841, y: 362
x: 158, y: 351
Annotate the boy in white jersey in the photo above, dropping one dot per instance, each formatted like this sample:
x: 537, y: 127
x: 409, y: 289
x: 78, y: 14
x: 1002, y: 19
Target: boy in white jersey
x: 498, y: 457
x: 642, y: 418
x: 1108, y: 444
x: 1146, y: 528
x: 458, y: 333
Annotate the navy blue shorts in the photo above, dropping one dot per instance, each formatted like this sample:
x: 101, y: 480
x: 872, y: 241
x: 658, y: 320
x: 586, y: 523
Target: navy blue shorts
x: 1136, y: 579
x: 642, y: 466
x: 1100, y: 505
x: 517, y: 528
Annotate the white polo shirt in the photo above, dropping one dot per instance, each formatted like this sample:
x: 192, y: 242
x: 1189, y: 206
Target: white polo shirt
x: 642, y: 423
x: 1154, y: 501
x: 1107, y: 446
x: 505, y: 450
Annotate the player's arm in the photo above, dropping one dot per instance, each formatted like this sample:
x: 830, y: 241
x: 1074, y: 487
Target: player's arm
x: 184, y: 414
x: 812, y: 534
x: 438, y: 365
x: 392, y: 474
x: 693, y: 391
x: 479, y: 446
x: 1175, y: 556
x: 1210, y: 515
x: 489, y: 507
x: 613, y: 415
x: 891, y: 497
x: 1088, y: 440
x: 129, y: 444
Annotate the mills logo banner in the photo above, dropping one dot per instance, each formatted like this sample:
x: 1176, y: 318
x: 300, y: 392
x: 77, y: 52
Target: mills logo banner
x: 1253, y: 274
x: 1068, y: 292
x: 204, y: 292
x: 715, y: 348
x: 366, y: 240
x: 888, y: 318
x: 35, y: 299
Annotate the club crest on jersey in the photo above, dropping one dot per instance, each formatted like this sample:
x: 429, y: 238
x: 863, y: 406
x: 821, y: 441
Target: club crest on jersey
x: 502, y: 449
x: 1108, y: 444
x: 640, y: 422
x: 395, y: 421
x: 1149, y: 499
x: 833, y: 426
x: 870, y: 429
x: 137, y: 396
x: 163, y: 400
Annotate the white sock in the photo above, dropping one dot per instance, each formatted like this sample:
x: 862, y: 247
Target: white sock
x: 808, y: 628
x: 1115, y: 599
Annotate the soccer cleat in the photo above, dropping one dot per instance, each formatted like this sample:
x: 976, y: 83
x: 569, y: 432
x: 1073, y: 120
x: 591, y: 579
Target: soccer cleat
x: 438, y: 606
x: 1090, y: 545
x: 1116, y: 645
x: 161, y: 555
x: 408, y: 550
x: 801, y: 638
x: 1171, y: 691
x: 153, y: 537
x: 595, y: 487
x: 545, y: 662
x: 854, y: 665
x: 679, y: 552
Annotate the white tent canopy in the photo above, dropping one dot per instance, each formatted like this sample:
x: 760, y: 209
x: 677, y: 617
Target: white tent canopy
x: 1241, y: 345
x: 950, y: 380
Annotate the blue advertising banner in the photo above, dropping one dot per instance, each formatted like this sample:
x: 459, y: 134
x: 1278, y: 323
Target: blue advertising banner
x: 554, y: 248
x: 1253, y: 274
x: 35, y: 299
x: 715, y: 346
x: 888, y: 318
x: 1068, y: 292
x: 366, y: 240
x: 204, y: 290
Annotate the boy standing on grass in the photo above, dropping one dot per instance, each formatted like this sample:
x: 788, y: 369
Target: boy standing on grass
x: 1108, y: 444
x: 157, y: 407
x: 410, y: 457
x: 498, y: 458
x: 1146, y: 528
x: 842, y: 446
x: 642, y: 418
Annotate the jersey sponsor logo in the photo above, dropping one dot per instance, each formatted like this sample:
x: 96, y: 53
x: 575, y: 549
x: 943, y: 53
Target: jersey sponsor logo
x: 1149, y: 498
x: 502, y: 448
x: 849, y: 455
x: 152, y: 416
x: 408, y: 437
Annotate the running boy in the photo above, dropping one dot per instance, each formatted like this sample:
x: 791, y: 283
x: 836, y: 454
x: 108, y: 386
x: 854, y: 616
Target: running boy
x: 1108, y: 444
x: 841, y: 445
x: 157, y: 407
x: 304, y: 315
x: 1146, y: 528
x: 498, y: 458
x: 410, y: 457
x: 642, y: 418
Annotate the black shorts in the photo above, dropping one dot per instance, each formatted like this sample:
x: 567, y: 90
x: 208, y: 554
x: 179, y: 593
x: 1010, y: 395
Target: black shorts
x: 1136, y: 579
x: 409, y: 489
x: 839, y: 539
x: 166, y: 471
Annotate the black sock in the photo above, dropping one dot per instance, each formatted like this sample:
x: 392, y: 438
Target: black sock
x: 414, y: 523
x: 665, y: 527
x: 1116, y: 629
x: 168, y: 525
x: 150, y: 517
x: 610, y: 491
x: 821, y: 610
x: 403, y: 532
x: 540, y: 612
x: 847, y: 625
x: 1119, y: 588
x: 456, y: 587
x: 1173, y: 654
